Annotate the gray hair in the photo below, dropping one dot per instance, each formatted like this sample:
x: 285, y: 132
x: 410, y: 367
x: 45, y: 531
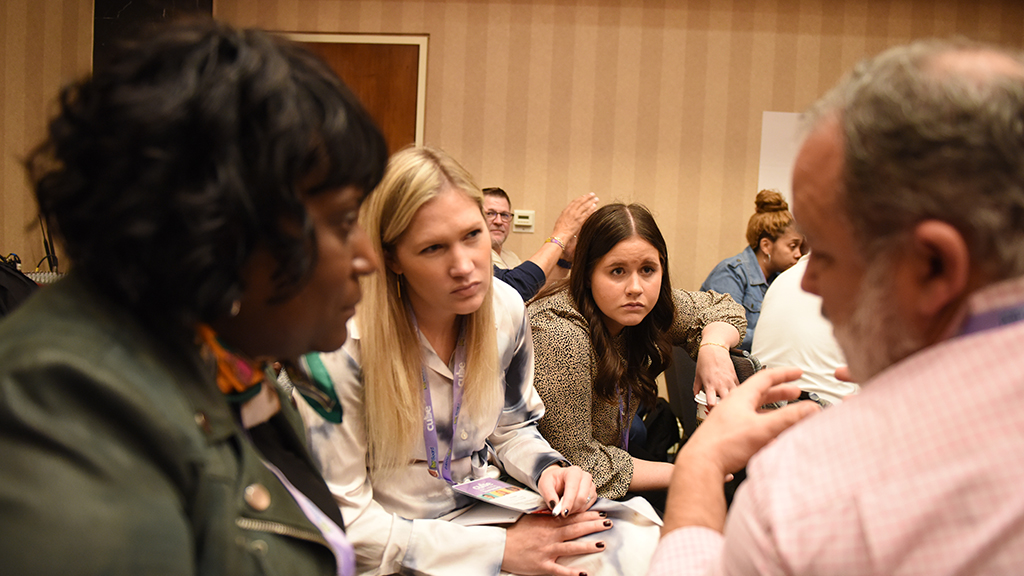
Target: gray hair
x: 928, y: 135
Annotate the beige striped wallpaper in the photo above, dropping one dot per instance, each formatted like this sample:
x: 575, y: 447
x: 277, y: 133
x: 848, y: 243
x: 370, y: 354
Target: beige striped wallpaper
x: 43, y: 45
x: 658, y: 102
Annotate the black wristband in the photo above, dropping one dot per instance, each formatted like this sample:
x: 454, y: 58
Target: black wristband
x: 563, y: 263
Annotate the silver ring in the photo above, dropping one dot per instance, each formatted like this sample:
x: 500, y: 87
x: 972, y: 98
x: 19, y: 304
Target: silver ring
x: 588, y: 499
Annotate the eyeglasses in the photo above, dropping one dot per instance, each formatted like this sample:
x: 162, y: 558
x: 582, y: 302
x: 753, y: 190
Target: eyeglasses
x: 505, y: 216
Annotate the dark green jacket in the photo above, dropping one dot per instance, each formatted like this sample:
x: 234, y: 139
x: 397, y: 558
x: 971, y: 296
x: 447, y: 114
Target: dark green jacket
x: 119, y: 455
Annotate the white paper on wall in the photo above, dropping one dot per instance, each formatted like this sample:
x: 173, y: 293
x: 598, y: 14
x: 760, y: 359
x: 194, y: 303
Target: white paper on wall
x: 780, y: 142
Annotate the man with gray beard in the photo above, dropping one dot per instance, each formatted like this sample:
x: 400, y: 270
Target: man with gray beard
x: 910, y: 189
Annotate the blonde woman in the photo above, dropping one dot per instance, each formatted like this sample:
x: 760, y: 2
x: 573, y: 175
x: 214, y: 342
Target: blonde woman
x: 426, y: 377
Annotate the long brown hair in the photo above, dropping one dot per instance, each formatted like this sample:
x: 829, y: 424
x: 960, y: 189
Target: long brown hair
x: 647, y: 351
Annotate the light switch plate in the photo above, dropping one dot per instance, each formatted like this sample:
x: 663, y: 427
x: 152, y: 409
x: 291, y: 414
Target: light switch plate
x: 522, y: 221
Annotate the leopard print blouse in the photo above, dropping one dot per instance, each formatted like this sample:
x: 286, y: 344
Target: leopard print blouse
x: 583, y: 427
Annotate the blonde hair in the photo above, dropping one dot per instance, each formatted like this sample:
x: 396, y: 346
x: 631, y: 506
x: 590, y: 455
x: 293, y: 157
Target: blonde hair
x: 771, y: 218
x: 393, y: 381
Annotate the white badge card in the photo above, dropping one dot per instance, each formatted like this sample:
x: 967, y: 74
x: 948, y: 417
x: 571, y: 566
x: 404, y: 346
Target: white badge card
x: 503, y: 494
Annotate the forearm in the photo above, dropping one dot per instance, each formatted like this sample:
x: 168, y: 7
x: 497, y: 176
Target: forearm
x: 388, y: 544
x: 695, y: 495
x: 527, y: 278
x: 720, y: 333
x: 523, y: 453
x: 557, y: 273
x: 547, y: 257
x: 437, y: 547
x: 649, y: 475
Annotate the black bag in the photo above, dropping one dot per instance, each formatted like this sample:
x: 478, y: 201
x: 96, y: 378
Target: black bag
x: 663, y: 434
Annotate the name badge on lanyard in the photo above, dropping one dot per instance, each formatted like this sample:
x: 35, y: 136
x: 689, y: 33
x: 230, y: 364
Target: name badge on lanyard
x: 442, y: 468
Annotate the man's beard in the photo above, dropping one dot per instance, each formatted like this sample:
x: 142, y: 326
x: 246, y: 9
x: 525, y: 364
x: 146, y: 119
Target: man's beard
x: 876, y: 336
x: 495, y: 244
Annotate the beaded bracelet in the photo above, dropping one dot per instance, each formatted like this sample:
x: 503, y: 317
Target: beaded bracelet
x: 554, y: 240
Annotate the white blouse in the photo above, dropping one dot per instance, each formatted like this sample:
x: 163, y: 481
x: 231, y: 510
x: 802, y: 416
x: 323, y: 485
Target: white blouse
x: 392, y: 522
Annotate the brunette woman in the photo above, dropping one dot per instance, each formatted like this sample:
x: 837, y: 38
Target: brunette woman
x: 602, y: 339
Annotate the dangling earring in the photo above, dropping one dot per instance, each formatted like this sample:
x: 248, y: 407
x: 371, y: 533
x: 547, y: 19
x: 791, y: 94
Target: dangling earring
x: 398, y: 282
x: 236, y: 307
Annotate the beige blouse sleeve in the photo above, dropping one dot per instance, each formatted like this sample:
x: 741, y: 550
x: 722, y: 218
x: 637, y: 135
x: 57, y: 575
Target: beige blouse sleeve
x: 695, y: 310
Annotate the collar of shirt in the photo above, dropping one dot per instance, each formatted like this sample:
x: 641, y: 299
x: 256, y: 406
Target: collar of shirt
x: 1004, y: 294
x: 748, y: 260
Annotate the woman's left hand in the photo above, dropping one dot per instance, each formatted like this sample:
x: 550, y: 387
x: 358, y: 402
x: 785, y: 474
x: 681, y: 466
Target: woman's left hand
x: 715, y: 374
x: 574, y: 486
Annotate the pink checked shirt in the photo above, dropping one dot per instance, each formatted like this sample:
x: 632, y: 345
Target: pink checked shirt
x: 922, y: 473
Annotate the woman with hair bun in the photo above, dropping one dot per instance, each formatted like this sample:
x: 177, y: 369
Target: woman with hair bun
x: 773, y: 246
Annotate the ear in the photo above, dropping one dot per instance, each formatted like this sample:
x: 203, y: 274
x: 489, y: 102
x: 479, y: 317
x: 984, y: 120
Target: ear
x: 391, y: 262
x: 940, y: 266
x: 765, y: 245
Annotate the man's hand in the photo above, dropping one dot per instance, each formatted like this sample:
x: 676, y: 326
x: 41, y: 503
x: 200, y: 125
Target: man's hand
x: 736, y: 429
x: 733, y: 432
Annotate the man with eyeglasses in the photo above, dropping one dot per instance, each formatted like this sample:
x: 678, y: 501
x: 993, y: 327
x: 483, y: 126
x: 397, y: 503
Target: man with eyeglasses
x: 552, y: 261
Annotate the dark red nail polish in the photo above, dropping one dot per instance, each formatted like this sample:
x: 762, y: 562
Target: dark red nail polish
x: 600, y: 544
x: 608, y: 523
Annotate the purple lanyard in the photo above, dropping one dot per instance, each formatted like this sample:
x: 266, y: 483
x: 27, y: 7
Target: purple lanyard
x: 429, y: 430
x: 993, y: 319
x: 623, y: 425
x: 344, y: 554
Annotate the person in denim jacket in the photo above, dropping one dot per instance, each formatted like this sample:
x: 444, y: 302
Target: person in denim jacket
x: 773, y: 246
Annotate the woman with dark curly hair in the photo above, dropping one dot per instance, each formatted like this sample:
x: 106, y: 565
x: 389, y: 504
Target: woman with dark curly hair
x: 773, y: 245
x: 206, y: 187
x: 601, y: 340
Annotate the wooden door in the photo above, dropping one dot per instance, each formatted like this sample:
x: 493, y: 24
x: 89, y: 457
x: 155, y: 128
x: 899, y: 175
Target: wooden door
x: 385, y: 77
